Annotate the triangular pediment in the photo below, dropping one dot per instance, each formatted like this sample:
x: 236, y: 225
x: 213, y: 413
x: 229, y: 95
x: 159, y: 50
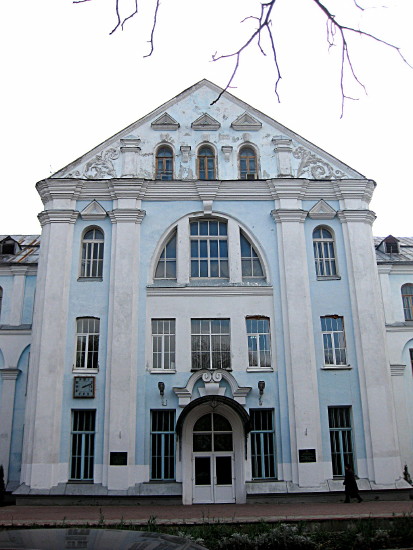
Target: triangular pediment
x: 246, y: 123
x: 197, y: 109
x: 93, y: 211
x: 205, y: 122
x: 322, y: 211
x: 165, y: 122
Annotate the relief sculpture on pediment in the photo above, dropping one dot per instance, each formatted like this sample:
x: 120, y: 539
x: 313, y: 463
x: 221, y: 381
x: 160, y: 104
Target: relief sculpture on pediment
x: 101, y: 166
x: 315, y: 167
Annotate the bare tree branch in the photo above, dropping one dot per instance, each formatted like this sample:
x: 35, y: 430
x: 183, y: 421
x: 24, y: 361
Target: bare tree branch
x: 153, y: 28
x: 264, y: 24
x: 337, y: 35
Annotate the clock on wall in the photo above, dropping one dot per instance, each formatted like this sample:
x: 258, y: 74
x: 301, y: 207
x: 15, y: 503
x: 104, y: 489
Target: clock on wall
x: 84, y: 386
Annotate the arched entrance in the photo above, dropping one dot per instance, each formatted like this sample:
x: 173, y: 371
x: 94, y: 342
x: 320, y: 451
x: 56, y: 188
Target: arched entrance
x: 212, y: 435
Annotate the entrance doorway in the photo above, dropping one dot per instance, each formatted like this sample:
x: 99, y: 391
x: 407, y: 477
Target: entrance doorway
x: 213, y: 460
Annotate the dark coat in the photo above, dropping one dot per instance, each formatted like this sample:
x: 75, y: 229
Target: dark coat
x: 350, y: 483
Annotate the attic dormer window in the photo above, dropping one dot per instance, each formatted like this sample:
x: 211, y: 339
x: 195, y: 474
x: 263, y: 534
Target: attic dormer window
x: 8, y: 246
x: 391, y: 245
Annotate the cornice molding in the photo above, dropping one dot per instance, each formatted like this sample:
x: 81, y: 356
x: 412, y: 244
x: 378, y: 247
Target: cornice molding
x: 364, y: 216
x: 282, y: 215
x: 210, y: 291
x: 19, y: 269
x: 397, y: 369
x: 57, y: 216
x: 126, y: 215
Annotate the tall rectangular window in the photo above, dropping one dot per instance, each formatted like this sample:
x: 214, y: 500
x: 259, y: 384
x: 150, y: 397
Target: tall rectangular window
x: 259, y: 349
x: 334, y: 341
x: 163, y: 343
x: 262, y: 444
x: 209, y: 249
x: 162, y: 445
x: 87, y: 343
x: 83, y: 445
x: 339, y: 419
x: 210, y: 342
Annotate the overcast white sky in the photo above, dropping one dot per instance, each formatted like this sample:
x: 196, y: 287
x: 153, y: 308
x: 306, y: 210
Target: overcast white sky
x: 68, y: 86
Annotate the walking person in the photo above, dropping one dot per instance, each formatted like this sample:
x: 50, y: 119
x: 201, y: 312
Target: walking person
x: 350, y: 485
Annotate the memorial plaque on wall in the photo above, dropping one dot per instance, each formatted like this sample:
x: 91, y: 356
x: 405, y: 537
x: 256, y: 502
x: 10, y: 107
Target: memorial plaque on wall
x: 307, y: 455
x: 118, y: 459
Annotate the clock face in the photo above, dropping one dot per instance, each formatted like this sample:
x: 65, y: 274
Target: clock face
x: 84, y: 386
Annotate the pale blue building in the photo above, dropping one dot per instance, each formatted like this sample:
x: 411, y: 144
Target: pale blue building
x: 208, y: 318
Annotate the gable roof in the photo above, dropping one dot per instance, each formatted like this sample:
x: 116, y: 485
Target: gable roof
x: 308, y: 153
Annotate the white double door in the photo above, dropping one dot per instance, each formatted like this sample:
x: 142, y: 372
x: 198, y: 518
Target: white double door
x: 213, y: 478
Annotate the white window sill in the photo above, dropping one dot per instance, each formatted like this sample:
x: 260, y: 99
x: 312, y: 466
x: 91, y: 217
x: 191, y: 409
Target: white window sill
x: 328, y: 278
x: 336, y: 367
x: 162, y: 371
x: 90, y: 279
x: 260, y: 369
x: 85, y: 371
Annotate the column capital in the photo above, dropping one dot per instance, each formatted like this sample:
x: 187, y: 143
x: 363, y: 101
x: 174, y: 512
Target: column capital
x: 126, y: 215
x: 57, y: 216
x: 19, y: 269
x: 282, y: 215
x: 364, y: 216
x: 9, y: 373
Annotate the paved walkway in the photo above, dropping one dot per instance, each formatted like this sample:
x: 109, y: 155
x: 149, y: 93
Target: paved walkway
x: 178, y: 514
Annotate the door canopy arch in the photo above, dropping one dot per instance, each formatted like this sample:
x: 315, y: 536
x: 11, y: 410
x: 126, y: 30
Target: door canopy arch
x: 214, y: 401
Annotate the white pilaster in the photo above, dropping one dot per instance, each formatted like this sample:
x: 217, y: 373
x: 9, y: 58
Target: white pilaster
x: 383, y: 461
x: 47, y: 358
x: 303, y: 401
x: 122, y: 364
x: 8, y: 390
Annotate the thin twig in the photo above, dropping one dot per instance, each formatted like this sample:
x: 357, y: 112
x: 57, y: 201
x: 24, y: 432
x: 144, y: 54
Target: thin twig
x: 153, y: 29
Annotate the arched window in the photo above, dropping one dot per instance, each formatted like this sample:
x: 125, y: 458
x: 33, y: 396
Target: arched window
x: 164, y: 163
x: 92, y: 253
x: 324, y: 253
x: 206, y: 163
x: 166, y: 268
x: 407, y: 297
x: 250, y: 262
x: 247, y: 164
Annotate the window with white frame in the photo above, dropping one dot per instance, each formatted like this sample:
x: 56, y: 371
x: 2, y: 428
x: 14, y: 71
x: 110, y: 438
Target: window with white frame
x: 163, y: 343
x: 247, y: 164
x: 407, y: 297
x: 262, y: 444
x: 162, y: 445
x: 164, y: 163
x: 334, y: 341
x: 166, y: 266
x: 209, y: 249
x: 324, y: 252
x: 206, y: 163
x: 87, y: 343
x: 250, y: 262
x: 210, y: 344
x: 92, y: 254
x: 259, y: 347
x: 82, y: 445
x: 339, y: 419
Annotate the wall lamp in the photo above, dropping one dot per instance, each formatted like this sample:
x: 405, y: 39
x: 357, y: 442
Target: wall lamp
x: 161, y: 388
x: 261, y: 387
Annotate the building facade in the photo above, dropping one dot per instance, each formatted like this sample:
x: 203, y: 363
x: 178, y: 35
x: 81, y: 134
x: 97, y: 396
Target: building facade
x: 209, y: 319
